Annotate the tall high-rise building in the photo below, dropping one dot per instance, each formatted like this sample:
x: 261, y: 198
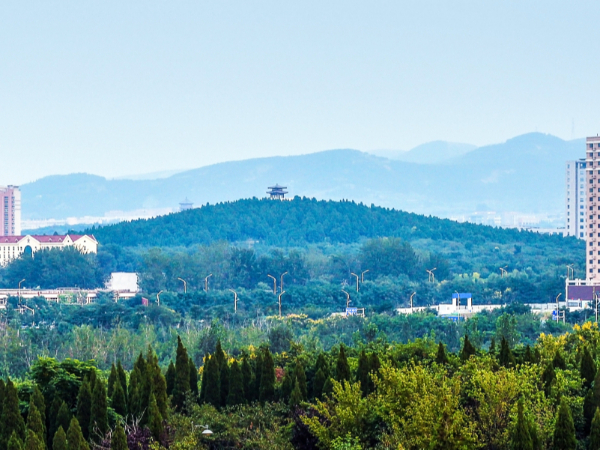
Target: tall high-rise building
x: 575, y: 206
x: 10, y: 221
x: 592, y: 248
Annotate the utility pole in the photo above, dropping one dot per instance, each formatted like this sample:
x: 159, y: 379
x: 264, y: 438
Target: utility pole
x: 235, y: 300
x: 274, y: 284
x: 347, y: 298
x: 281, y: 282
x: 20, y: 290
x: 280, y: 302
x: 158, y: 297
x: 457, y: 305
x: 206, y: 282
x: 354, y: 275
x: 411, y: 302
x: 362, y: 276
x: 184, y: 285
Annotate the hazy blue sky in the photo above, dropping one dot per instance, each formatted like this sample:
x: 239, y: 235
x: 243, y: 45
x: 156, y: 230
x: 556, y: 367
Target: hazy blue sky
x: 117, y: 87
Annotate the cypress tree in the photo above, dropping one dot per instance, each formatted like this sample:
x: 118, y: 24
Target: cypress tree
x: 193, y: 378
x: 589, y: 409
x: 587, y: 369
x: 99, y: 411
x: 159, y: 384
x: 60, y: 440
x: 12, y: 421
x: 117, y: 401
x: 296, y: 395
x: 155, y: 420
x: 267, y: 378
x: 170, y: 377
x: 224, y: 383
x: 319, y: 383
x: 63, y: 418
x: 182, y: 376
x: 342, y: 369
x: 564, y: 429
x: 84, y: 408
x: 40, y: 403
x: 528, y: 356
x: 119, y: 439
x: 134, y: 399
x: 33, y: 442
x: 2, y: 395
x: 468, y: 350
x: 258, y: 369
x: 505, y: 358
x: 34, y: 423
x: 362, y: 373
x: 594, y: 442
x: 559, y: 362
x: 122, y: 376
x: 219, y: 354
x: 441, y: 357
x: 287, y: 385
x: 536, y: 442
x: 213, y: 381
x: 144, y: 385
x: 327, y: 387
x: 492, y: 349
x: 236, y: 385
x: 300, y: 376
x: 14, y: 443
x: 111, y: 380
x: 548, y: 378
x: 247, y: 379
x: 52, y: 416
x: 75, y: 439
x: 521, y: 438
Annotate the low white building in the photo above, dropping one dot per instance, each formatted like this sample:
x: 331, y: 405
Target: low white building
x: 11, y: 247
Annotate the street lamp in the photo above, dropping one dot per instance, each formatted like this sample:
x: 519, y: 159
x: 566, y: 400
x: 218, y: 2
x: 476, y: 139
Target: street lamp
x: 280, y: 302
x: 557, y: 308
x: 281, y: 283
x: 20, y: 290
x: 411, y: 302
x: 206, y: 282
x: 431, y: 275
x: 503, y: 271
x: 362, y: 276
x: 158, y: 297
x: 457, y: 305
x: 354, y: 275
x: 570, y: 270
x: 274, y: 284
x: 184, y: 285
x: 347, y: 298
x: 235, y: 300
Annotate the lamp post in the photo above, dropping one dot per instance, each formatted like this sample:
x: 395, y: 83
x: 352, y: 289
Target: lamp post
x: 354, y: 275
x: 20, y: 290
x: 274, y: 284
x: 348, y: 301
x: 235, y: 300
x: 184, y: 285
x: 411, y: 302
x: 457, y: 305
x: 362, y: 276
x: 503, y: 271
x: 431, y: 275
x: 280, y: 302
x: 281, y: 282
x: 570, y: 270
x: 158, y: 297
x: 557, y: 308
x: 206, y: 282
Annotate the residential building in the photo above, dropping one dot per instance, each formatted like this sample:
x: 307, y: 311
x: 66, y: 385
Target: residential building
x: 10, y: 199
x: 11, y: 247
x: 592, y: 249
x: 575, y: 205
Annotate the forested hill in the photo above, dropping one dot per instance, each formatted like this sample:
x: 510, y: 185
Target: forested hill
x: 301, y: 221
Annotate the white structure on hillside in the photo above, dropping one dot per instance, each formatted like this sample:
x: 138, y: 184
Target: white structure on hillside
x: 11, y: 247
x: 575, y: 205
x: 123, y: 282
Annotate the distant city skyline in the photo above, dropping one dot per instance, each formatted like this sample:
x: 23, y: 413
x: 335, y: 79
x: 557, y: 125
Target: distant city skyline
x: 117, y: 88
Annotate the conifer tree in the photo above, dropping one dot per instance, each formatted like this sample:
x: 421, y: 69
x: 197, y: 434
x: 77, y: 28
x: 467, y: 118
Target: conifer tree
x: 182, y: 376
x: 258, y: 369
x: 219, y: 353
x: 536, y: 441
x: 117, y: 401
x: 12, y: 421
x: 467, y: 350
x: 319, y: 383
x: 247, y: 379
x: 159, y: 384
x: 521, y: 438
x: 559, y: 362
x: 134, y: 399
x: 14, y: 443
x: 296, y: 395
x: 236, y: 385
x: 267, y: 378
x: 564, y: 429
x: 144, y: 386
x: 224, y: 375
x: 75, y: 439
x: 362, y: 373
x: 34, y: 423
x: 122, y: 376
x: 300, y: 376
x: 287, y: 384
x: 327, y: 387
x: 99, y: 411
x: 60, y: 440
x: 2, y: 394
x: 213, y: 381
x: 155, y: 420
x: 589, y: 409
x: 52, y: 417
x: 492, y: 349
x: 111, y: 380
x: 528, y: 356
x: 342, y: 369
x: 84, y: 408
x: 587, y: 368
x: 594, y: 442
x: 505, y: 358
x: 40, y: 403
x: 170, y: 377
x: 193, y: 378
x: 441, y: 357
x: 119, y: 439
x: 33, y: 442
x: 63, y: 418
x: 548, y: 378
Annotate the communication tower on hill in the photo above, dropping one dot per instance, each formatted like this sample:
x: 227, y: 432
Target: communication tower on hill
x: 277, y: 192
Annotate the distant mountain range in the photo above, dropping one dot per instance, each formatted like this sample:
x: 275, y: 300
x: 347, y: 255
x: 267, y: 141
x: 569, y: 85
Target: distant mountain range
x: 524, y: 174
x: 431, y: 153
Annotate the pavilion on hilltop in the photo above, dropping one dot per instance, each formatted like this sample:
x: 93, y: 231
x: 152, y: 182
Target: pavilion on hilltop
x: 277, y: 192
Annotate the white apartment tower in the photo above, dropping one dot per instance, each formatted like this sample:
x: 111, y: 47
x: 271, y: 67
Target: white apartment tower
x: 10, y: 219
x: 592, y: 160
x: 575, y: 206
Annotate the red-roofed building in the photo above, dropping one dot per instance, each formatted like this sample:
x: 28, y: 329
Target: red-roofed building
x: 11, y: 247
